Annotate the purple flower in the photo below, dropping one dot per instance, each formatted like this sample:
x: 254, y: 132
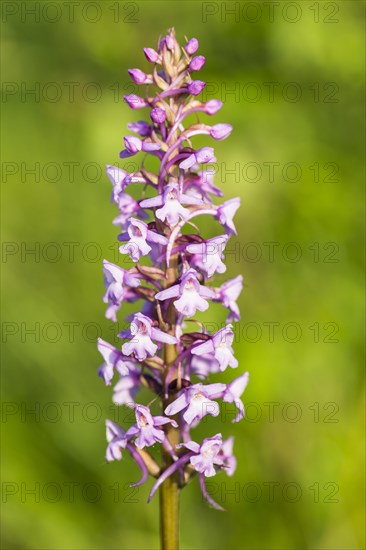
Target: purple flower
x: 147, y: 427
x: 139, y: 77
x: 201, y: 156
x: 113, y: 359
x: 117, y: 440
x: 119, y: 180
x: 203, y: 365
x: 212, y: 106
x: 127, y: 207
x: 196, y: 86
x: 171, y: 201
x: 139, y: 233
x: 141, y: 333
x: 196, y: 402
x: 162, y: 234
x: 228, y: 293
x: 234, y: 391
x: 197, y: 63
x: 141, y: 127
x: 170, y: 42
x: 127, y: 386
x: 158, y: 115
x: 226, y: 454
x: 192, y: 46
x: 207, y: 255
x: 207, y: 455
x: 134, y: 145
x: 134, y: 101
x: 220, y: 131
x: 190, y: 292
x: 226, y: 212
x: 151, y: 55
x: 201, y: 185
x: 220, y: 345
x: 119, y: 283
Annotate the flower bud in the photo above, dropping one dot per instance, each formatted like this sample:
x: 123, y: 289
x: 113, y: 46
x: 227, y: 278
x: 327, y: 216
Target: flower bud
x: 197, y: 63
x: 212, y: 106
x: 192, y: 46
x: 151, y: 55
x: 196, y: 86
x: 132, y: 144
x: 134, y: 101
x: 141, y: 127
x: 137, y: 76
x: 220, y: 131
x: 169, y: 41
x: 158, y: 115
x: 205, y: 155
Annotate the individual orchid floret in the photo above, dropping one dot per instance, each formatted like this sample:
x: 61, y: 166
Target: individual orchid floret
x: 204, y: 155
x: 141, y: 127
x: 220, y: 131
x: 147, y: 429
x: 117, y: 440
x: 201, y: 185
x: 220, y: 346
x: 203, y: 365
x: 190, y: 292
x: 207, y: 455
x: 212, y: 106
x: 141, y: 333
x: 197, y: 63
x: 139, y: 233
x: 135, y: 102
x: 134, y: 145
x: 234, y: 391
x: 228, y: 459
x: 128, y: 207
x: 113, y: 359
x: 128, y: 385
x: 196, y: 86
x: 228, y: 293
x: 225, y: 214
x: 158, y: 115
x: 119, y: 283
x: 152, y: 55
x: 192, y: 46
x: 208, y: 255
x: 171, y: 201
x: 119, y: 179
x: 139, y: 77
x: 196, y: 402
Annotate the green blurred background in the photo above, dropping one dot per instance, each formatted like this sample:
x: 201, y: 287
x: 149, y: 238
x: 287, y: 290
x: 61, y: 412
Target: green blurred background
x: 299, y: 482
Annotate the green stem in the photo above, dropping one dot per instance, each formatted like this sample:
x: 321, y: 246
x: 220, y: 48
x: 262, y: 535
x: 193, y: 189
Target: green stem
x: 169, y: 510
x: 169, y: 491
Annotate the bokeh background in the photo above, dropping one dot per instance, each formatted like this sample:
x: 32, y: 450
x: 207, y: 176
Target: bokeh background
x: 291, y: 76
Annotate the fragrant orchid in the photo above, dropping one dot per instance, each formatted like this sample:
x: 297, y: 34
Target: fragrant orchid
x: 174, y: 262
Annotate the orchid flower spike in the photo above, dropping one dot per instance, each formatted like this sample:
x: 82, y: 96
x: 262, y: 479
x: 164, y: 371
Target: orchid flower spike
x: 166, y: 275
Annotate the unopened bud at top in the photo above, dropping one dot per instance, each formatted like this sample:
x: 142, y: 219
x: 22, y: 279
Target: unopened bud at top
x: 196, y: 86
x: 197, y: 63
x: 220, y: 131
x: 212, y: 106
x: 192, y: 46
x: 134, y: 101
x: 169, y: 41
x: 138, y: 76
x: 151, y: 55
x: 158, y: 115
x: 141, y: 127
